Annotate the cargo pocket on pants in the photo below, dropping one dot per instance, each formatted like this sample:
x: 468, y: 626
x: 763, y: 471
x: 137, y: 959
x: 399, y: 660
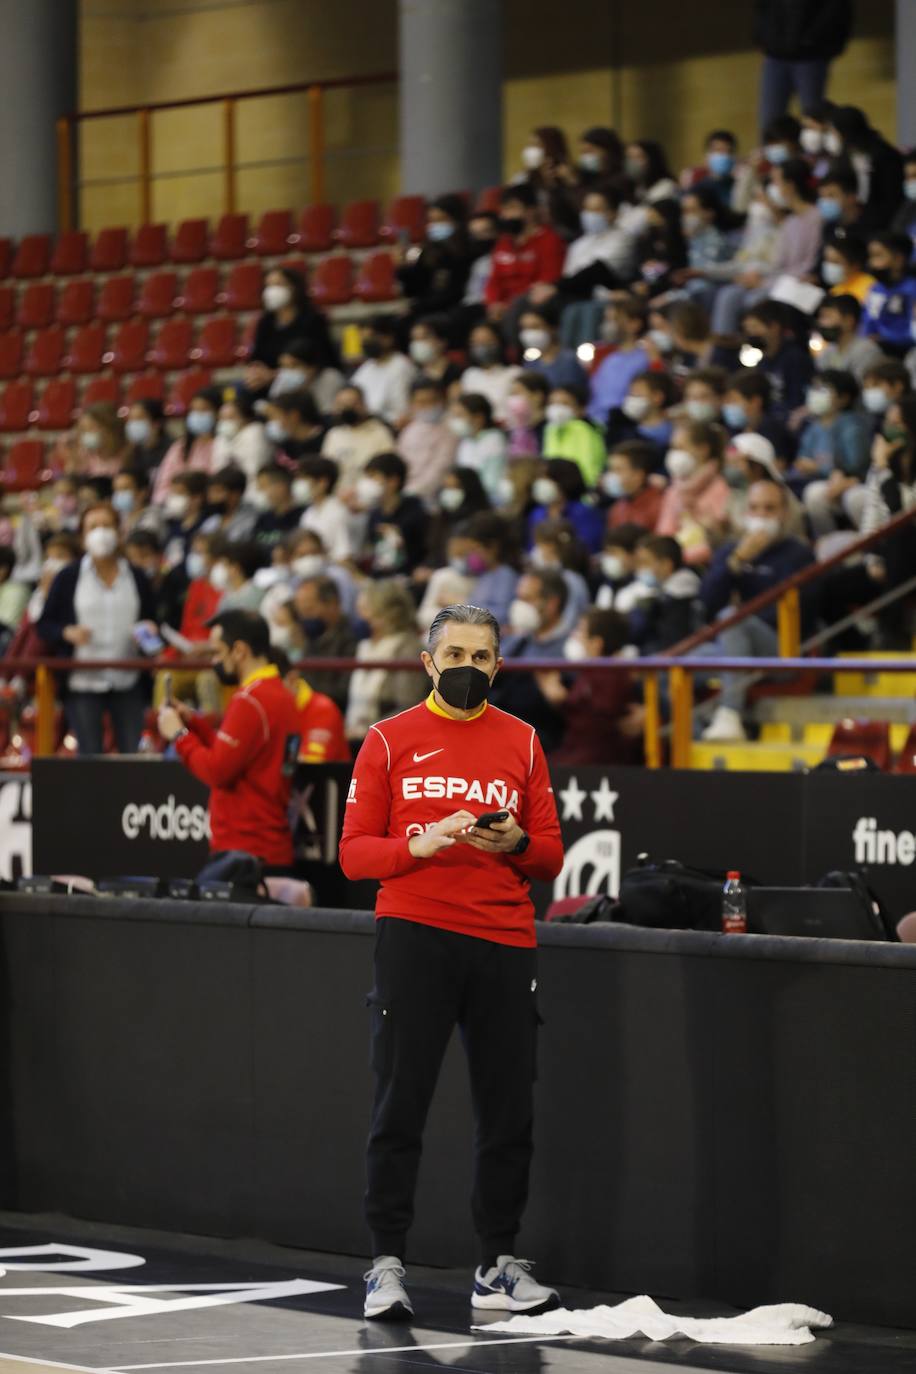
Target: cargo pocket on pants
x: 380, y: 1047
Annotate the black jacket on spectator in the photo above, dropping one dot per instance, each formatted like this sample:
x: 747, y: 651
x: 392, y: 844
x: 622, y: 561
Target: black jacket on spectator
x: 661, y: 621
x: 802, y: 30
x: 60, y: 611
x: 787, y: 556
x: 271, y: 339
x: 435, y: 281
x: 411, y: 519
x: 790, y: 370
x: 334, y: 641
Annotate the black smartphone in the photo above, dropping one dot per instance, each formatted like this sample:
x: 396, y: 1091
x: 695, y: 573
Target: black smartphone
x: 167, y: 697
x: 484, y: 822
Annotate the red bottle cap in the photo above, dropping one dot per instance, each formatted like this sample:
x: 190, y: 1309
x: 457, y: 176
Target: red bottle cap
x: 733, y: 874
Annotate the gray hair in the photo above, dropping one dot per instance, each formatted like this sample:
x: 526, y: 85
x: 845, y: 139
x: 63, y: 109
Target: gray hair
x: 462, y: 615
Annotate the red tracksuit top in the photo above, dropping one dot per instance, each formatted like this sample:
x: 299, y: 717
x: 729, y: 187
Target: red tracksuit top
x: 516, y: 267
x: 419, y: 767
x: 242, y: 764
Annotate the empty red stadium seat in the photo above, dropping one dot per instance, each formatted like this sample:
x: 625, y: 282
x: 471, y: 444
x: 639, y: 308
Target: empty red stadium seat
x: 315, y: 231
x: 76, y: 302
x: 243, y: 287
x: 10, y: 353
x: 185, y: 387
x: 173, y: 345
x: 57, y: 404
x: 248, y: 333
x: 150, y: 246
x: 105, y: 389
x: 201, y: 291
x: 488, y: 200
x: 271, y: 237
x: 405, y: 214
x: 116, y: 299
x: 109, y: 252
x: 7, y: 306
x: 230, y: 238
x: 36, y: 305
x: 376, y: 280
x: 86, y: 348
x: 157, y: 295
x: 45, y: 357
x: 16, y: 405
x: 128, y: 352
x: 71, y: 253
x: 359, y: 224
x: 332, y: 281
x: 32, y: 256
x: 23, y: 466
x: 218, y: 344
x: 871, y: 738
x: 149, y: 386
x: 905, y: 761
x: 6, y: 256
x: 190, y: 242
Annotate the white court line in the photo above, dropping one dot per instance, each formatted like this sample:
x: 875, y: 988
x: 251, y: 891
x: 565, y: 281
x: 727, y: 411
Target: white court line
x: 331, y: 1354
x: 57, y: 1364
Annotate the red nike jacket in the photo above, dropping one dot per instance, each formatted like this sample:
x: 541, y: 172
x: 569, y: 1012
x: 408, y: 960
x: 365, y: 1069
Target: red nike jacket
x: 421, y: 766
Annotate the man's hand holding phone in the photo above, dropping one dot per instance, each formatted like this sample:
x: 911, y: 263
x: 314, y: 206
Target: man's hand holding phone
x: 495, y: 833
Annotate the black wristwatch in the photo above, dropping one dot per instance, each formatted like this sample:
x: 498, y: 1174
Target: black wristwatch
x: 522, y: 844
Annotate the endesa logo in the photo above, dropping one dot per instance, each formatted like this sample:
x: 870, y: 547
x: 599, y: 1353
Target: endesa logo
x: 493, y: 794
x: 166, y: 822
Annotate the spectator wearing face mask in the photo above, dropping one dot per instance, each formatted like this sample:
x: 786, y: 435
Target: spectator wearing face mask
x: 617, y: 568
x: 878, y: 165
x: 636, y: 499
x: 904, y: 221
x: 624, y: 327
x: 185, y: 509
x: 385, y: 377
x: 549, y: 175
x: 834, y: 451
x: 200, y: 601
x: 838, y: 201
x: 695, y: 507
x: 130, y: 498
x: 527, y: 408
x: 294, y: 426
x: 426, y: 443
x: 556, y: 546
x: 481, y: 446
x: 487, y: 559
x: 92, y: 610
x: 741, y: 278
x: 376, y: 693
x: 302, y: 368
x: 289, y: 315
x: 751, y: 458
x: 460, y: 499
x: 704, y: 393
x: 435, y: 279
x: 539, y: 630
x: 559, y: 494
x: 669, y: 607
x: 721, y: 172
x: 540, y: 346
x: 644, y: 413
x: 705, y: 225
x: 884, y: 383
x: 329, y: 634
x: 569, y: 434
x: 395, y: 539
x: 240, y: 438
x: 231, y: 516
x: 488, y: 374
x: 483, y: 231
x: 786, y: 364
x: 843, y: 268
x: 761, y: 558
x: 59, y: 550
x: 525, y: 252
x: 278, y: 514
x: 448, y: 585
x: 798, y: 42
x: 354, y: 436
x: 233, y: 574
x: 660, y: 246
x: 307, y: 557
x: 747, y: 409
x: 599, y: 159
x: 646, y: 167
x: 147, y: 435
x: 798, y: 242
x: 429, y: 350
x: 194, y: 450
x: 890, y: 304
x: 602, y: 722
x: 325, y: 514
x: 97, y: 448
x: 602, y: 256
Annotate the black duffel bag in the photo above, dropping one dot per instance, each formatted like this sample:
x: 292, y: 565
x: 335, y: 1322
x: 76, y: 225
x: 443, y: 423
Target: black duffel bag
x: 671, y: 896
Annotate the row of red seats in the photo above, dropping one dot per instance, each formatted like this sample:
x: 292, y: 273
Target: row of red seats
x: 871, y: 739
x: 132, y: 349
x: 315, y: 230
x: 60, y: 400
x: 160, y: 294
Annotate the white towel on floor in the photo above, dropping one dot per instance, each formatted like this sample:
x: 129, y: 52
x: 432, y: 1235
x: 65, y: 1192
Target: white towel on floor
x: 787, y: 1323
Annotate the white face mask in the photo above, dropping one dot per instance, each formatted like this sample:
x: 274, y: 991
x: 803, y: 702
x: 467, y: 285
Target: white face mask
x: 875, y: 399
x: 176, y: 505
x: 450, y: 498
x: 101, y: 542
x: 833, y: 144
x: 777, y: 195
x: 540, y: 558
x: 833, y: 273
x: 701, y: 410
x: 524, y: 618
x: 537, y: 339
x: 288, y: 379
x: 762, y: 524
x: 546, y: 492
x: 635, y: 407
x: 276, y: 297
x: 662, y: 340
x: 505, y: 492
x: 281, y: 636
x: 422, y: 351
x: 219, y: 576
x: 759, y: 213
x: 559, y: 414
x: 91, y: 439
x: 259, y: 499
x: 308, y: 565
x: 369, y: 492
x: 612, y: 567
x: 574, y: 649
x: 818, y: 400
x: 811, y: 140
x: 227, y: 429
x: 196, y: 565
x: 532, y: 156
x: 303, y: 491
x: 139, y: 431
x: 276, y: 431
x: 680, y: 464
x: 460, y: 426
x: 52, y: 566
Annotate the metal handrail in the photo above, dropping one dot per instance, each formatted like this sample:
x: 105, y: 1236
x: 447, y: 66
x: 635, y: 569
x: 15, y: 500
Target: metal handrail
x: 315, y: 91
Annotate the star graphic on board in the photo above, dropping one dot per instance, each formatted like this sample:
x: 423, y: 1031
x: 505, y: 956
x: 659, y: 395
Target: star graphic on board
x: 572, y: 796
x: 604, y: 800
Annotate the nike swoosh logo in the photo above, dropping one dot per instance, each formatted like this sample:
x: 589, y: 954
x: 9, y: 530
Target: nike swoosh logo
x: 418, y: 758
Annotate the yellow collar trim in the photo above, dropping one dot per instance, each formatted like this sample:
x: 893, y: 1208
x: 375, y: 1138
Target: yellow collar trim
x: 304, y: 694
x: 262, y: 674
x: 433, y: 705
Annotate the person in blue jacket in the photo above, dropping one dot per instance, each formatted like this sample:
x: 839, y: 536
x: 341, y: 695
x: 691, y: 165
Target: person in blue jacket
x: 833, y: 453
x: 891, y: 304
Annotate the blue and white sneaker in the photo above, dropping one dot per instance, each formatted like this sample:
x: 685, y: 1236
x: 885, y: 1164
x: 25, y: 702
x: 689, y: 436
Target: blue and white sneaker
x: 509, y: 1287
x: 386, y: 1297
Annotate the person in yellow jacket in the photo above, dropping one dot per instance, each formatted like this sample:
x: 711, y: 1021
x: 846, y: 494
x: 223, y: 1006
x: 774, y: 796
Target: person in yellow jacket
x: 569, y: 435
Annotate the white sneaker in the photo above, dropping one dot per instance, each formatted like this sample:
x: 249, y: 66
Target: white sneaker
x: 386, y: 1297
x: 509, y: 1287
x: 726, y: 727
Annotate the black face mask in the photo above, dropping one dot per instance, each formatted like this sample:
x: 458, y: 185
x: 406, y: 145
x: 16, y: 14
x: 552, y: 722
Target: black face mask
x: 829, y: 332
x: 511, y: 224
x: 463, y: 688
x: 885, y: 275
x: 349, y: 416
x: 225, y: 675
x: 218, y: 507
x: 372, y: 348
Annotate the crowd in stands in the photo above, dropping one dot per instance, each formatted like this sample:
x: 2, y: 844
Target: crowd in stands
x: 623, y: 405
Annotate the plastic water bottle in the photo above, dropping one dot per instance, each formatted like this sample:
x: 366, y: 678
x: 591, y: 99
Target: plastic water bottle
x: 734, y: 905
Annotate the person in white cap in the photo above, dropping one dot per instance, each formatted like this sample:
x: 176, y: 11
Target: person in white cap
x: 752, y: 458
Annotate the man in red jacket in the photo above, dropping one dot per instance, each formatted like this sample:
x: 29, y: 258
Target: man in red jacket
x: 246, y: 763
x: 455, y: 944
x: 525, y: 252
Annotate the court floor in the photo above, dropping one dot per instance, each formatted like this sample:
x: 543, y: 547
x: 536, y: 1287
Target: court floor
x: 87, y: 1297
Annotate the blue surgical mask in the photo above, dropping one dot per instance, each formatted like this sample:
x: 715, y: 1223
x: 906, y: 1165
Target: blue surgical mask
x: 833, y: 273
x: 593, y: 221
x: 612, y: 486
x: 139, y: 431
x: 276, y: 432
x: 734, y: 415
x: 123, y: 501
x: 720, y: 164
x: 829, y: 209
x: 200, y: 422
x: 647, y: 577
x: 776, y: 153
x: 438, y: 230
